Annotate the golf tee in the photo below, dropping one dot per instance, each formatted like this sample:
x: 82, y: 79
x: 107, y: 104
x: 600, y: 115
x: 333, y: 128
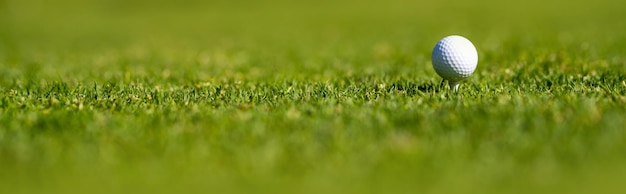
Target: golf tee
x: 454, y: 86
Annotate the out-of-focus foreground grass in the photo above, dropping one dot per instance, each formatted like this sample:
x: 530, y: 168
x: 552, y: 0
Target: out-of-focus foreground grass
x: 323, y: 96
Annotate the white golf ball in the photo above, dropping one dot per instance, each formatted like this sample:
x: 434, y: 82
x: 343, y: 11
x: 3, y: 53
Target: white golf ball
x: 454, y: 58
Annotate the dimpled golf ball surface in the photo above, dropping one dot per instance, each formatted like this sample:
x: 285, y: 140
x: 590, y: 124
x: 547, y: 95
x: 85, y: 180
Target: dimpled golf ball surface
x: 454, y: 58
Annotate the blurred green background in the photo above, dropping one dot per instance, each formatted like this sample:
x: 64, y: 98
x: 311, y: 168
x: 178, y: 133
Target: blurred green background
x: 82, y: 38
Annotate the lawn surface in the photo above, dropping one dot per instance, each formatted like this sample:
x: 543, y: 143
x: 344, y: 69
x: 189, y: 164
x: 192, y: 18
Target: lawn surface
x: 311, y: 97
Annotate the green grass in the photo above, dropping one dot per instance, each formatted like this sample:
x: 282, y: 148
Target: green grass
x: 310, y: 97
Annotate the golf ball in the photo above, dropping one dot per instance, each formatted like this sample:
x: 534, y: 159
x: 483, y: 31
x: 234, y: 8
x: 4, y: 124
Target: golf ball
x: 454, y: 58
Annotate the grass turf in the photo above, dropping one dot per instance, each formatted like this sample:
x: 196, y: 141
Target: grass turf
x: 317, y: 97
